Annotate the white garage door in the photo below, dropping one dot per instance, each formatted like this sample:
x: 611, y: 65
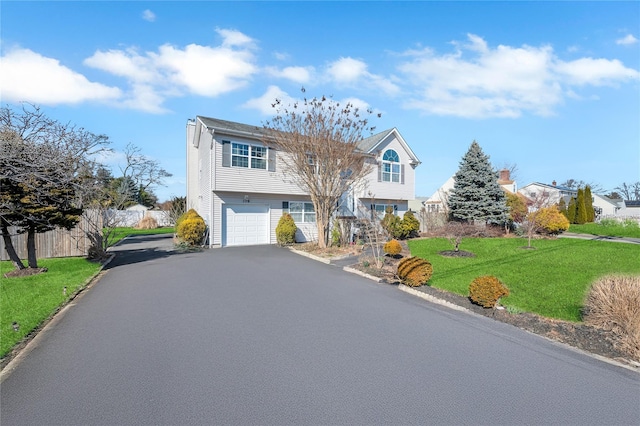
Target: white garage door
x: 246, y: 224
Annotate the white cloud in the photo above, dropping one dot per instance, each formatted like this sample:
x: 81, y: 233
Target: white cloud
x: 29, y: 76
x: 148, y: 15
x: 296, y: 74
x: 266, y: 103
x: 234, y: 38
x: 170, y: 71
x: 627, y: 40
x: 347, y: 70
x: 478, y: 81
x: 596, y: 72
x: 204, y: 70
x: 353, y: 72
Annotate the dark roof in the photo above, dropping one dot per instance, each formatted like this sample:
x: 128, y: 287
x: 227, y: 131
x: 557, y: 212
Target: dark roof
x: 365, y: 145
x: 632, y: 203
x: 232, y: 126
x: 369, y: 143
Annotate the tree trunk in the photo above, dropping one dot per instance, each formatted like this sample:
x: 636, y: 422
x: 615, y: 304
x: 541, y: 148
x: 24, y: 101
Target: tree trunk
x: 11, y: 251
x: 31, y: 248
x: 323, y: 221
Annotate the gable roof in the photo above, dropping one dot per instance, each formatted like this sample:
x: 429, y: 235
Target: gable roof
x: 559, y: 188
x: 372, y: 142
x: 231, y: 127
x: 367, y: 145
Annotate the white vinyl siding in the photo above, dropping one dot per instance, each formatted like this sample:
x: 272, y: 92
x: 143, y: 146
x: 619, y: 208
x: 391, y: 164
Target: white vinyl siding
x: 274, y: 180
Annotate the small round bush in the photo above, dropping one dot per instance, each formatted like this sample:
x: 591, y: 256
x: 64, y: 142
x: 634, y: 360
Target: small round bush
x: 392, y: 248
x: 147, y: 222
x: 408, y: 226
x: 613, y: 303
x: 486, y: 291
x: 414, y: 271
x: 286, y: 230
x: 191, y: 228
x: 188, y: 214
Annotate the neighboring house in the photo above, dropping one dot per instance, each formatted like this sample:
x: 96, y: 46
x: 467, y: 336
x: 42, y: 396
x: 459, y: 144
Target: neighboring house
x: 438, y: 201
x: 137, y: 208
x: 603, y: 206
x: 241, y: 188
x: 551, y: 194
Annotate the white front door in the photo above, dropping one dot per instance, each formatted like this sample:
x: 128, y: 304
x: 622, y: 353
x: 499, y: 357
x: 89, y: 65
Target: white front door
x: 245, y: 224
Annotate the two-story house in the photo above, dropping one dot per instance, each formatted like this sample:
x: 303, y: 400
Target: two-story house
x: 239, y: 184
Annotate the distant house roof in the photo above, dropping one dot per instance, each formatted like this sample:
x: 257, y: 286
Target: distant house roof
x: 632, y: 203
x: 559, y: 188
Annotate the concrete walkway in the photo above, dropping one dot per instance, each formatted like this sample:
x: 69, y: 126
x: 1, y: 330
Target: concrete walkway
x: 627, y: 240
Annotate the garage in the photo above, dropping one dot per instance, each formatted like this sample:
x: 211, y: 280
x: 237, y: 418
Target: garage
x: 245, y: 224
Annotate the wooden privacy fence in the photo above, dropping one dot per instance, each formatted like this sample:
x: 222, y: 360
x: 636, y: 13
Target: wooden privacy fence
x: 56, y: 243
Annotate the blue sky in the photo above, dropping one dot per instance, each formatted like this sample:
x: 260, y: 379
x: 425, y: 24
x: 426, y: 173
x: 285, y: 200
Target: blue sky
x: 551, y: 87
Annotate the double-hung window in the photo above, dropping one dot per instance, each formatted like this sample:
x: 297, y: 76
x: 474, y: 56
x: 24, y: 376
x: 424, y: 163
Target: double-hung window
x: 390, y: 166
x: 249, y: 156
x: 300, y: 211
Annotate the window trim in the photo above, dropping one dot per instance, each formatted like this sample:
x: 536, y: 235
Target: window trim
x: 305, y: 214
x: 390, y: 160
x: 256, y: 154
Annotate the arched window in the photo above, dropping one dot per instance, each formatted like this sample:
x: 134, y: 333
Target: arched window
x: 390, y: 166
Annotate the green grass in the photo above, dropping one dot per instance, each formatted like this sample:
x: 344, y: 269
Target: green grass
x: 120, y: 233
x: 551, y: 280
x: 31, y: 300
x: 608, y: 228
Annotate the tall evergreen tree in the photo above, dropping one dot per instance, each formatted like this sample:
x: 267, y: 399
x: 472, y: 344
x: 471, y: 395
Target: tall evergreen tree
x: 476, y: 195
x: 562, y: 207
x: 588, y: 204
x: 581, y: 210
x: 571, y: 210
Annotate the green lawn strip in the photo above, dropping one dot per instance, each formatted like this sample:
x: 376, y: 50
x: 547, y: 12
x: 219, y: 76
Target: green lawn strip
x: 120, y: 233
x: 551, y: 280
x: 631, y: 229
x: 31, y: 300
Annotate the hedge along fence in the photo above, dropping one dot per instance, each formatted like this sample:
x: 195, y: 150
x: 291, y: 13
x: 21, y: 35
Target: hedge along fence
x: 56, y: 243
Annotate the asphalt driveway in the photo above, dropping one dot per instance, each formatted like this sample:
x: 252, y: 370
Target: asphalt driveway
x: 260, y: 335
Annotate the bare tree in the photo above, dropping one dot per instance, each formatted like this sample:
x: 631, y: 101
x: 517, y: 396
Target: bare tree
x: 101, y: 202
x: 143, y: 171
x: 43, y: 162
x: 629, y: 191
x: 575, y: 184
x: 319, y: 141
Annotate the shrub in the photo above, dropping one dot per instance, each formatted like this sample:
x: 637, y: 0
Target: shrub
x: 147, y: 222
x: 486, y: 291
x: 191, y: 228
x: 188, y: 214
x: 414, y: 271
x: 390, y: 222
x: 392, y: 248
x: 286, y: 230
x: 613, y: 303
x: 408, y: 227
x: 551, y: 221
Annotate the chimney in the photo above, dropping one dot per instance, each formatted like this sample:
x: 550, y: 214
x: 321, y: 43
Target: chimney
x: 553, y: 183
x: 504, y: 175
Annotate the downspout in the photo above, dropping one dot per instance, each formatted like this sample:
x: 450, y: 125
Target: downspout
x: 212, y: 187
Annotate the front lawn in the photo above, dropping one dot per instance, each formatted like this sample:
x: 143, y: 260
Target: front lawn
x: 609, y: 228
x: 29, y: 301
x: 550, y: 280
x: 120, y: 233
